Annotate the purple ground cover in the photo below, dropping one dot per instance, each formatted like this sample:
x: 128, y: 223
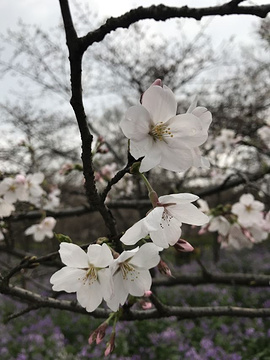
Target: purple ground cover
x: 55, y: 335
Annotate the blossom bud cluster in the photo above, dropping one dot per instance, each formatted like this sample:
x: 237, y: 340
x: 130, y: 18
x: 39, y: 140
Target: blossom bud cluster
x: 244, y: 225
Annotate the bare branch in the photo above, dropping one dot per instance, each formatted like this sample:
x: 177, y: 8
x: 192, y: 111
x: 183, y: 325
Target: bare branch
x: 75, y: 57
x: 162, y: 12
x: 252, y: 280
x: 130, y: 315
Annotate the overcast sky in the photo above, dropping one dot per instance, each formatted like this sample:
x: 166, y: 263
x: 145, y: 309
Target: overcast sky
x: 46, y: 13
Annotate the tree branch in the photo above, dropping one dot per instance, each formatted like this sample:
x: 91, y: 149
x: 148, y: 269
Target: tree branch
x: 252, y: 280
x: 75, y: 57
x: 38, y: 301
x: 162, y: 12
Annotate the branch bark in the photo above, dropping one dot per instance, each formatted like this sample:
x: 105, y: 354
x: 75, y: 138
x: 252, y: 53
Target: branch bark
x: 39, y: 301
x: 76, y: 52
x: 162, y: 12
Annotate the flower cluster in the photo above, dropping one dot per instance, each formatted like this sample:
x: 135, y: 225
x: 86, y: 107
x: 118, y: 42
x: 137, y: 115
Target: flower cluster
x: 28, y: 189
x: 43, y: 229
x: 158, y: 136
x: 96, y: 275
x: 162, y: 136
x: 240, y: 226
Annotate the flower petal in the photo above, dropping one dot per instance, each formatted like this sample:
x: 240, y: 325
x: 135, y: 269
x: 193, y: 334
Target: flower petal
x: 74, y: 256
x: 67, y: 279
x: 175, y: 159
x: 137, y: 123
x: 183, y: 198
x: 142, y: 147
x: 147, y: 256
x: 120, y: 292
x: 187, y: 130
x: 204, y: 115
x: 188, y: 214
x: 134, y: 233
x: 168, y: 233
x: 151, y: 159
x: 138, y: 282
x: 99, y: 256
x: 90, y: 296
x: 160, y: 103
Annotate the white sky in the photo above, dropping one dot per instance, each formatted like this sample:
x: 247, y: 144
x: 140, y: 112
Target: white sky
x: 46, y: 13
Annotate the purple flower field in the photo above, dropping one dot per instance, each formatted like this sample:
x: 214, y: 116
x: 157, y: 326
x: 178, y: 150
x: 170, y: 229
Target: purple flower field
x: 54, y: 335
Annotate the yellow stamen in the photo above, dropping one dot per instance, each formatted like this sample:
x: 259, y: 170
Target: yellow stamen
x: 160, y: 131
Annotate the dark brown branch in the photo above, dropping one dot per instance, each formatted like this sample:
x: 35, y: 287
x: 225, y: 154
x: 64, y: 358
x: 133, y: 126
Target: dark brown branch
x: 207, y: 277
x: 162, y: 12
x: 229, y: 184
x: 75, y: 57
x: 252, y: 280
x: 80, y: 210
x: 180, y: 312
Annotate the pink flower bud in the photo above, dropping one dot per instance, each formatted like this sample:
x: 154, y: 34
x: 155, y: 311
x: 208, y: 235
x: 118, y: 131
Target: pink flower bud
x: 183, y: 246
x: 247, y: 233
x: 98, y: 334
x: 164, y: 268
x: 110, y: 345
x: 146, y: 305
x: 100, y: 139
x: 20, y: 179
x: 92, y: 337
x: 157, y: 82
x: 66, y: 169
x: 147, y: 293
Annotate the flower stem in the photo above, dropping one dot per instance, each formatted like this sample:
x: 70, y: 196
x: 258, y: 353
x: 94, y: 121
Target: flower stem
x: 151, y: 192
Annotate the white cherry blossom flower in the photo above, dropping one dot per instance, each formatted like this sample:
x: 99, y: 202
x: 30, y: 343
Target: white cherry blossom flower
x: 130, y: 273
x: 163, y: 223
x: 34, y: 188
x: 43, y: 229
x: 236, y: 239
x: 264, y: 133
x: 203, y: 206
x: 162, y: 137
x: 53, y: 200
x: 248, y: 210
x: 219, y: 224
x: 206, y: 118
x: 87, y: 274
x: 5, y: 208
x: 14, y: 189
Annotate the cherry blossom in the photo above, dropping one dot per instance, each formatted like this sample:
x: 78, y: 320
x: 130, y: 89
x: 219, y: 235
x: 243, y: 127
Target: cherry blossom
x: 14, y: 189
x: 5, y: 208
x: 53, y: 200
x: 162, y: 137
x: 264, y: 134
x: 43, y: 229
x: 87, y: 274
x: 163, y: 223
x: 236, y: 239
x: 219, y: 224
x: 34, y: 188
x: 130, y: 273
x: 248, y: 210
